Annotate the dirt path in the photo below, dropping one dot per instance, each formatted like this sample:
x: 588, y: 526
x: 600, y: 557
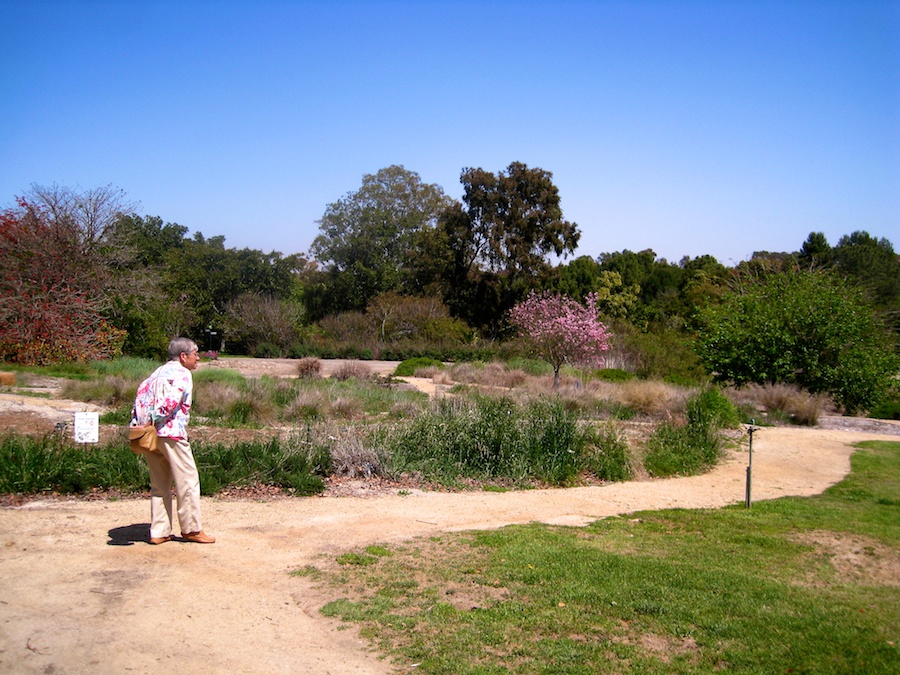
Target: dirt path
x: 82, y: 591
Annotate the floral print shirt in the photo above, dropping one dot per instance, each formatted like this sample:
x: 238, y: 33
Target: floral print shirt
x: 165, y: 399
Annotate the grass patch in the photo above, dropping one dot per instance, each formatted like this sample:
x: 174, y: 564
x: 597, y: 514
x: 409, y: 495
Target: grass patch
x: 767, y: 590
x: 32, y: 465
x: 491, y: 438
x: 693, y: 447
x: 53, y: 464
x: 297, y: 465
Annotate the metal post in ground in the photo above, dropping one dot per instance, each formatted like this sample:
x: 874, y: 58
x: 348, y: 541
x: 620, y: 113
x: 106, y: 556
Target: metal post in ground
x: 750, y: 430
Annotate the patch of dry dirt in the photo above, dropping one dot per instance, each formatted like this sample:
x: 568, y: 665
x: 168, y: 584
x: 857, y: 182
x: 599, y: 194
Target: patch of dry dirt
x: 82, y: 590
x: 855, y: 558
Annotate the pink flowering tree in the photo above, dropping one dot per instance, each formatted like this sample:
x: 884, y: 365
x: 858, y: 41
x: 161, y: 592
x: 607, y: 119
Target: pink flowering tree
x: 560, y: 330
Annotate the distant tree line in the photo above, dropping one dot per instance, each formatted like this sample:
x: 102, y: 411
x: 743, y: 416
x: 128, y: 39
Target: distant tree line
x: 400, y: 269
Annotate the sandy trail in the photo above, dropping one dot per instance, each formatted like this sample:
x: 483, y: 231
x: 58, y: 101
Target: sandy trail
x: 81, y: 591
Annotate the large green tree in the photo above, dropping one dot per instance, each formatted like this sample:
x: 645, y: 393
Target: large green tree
x: 170, y: 284
x: 369, y: 237
x: 874, y: 265
x: 514, y: 220
x: 668, y: 293
x: 501, y: 241
x: 812, y: 329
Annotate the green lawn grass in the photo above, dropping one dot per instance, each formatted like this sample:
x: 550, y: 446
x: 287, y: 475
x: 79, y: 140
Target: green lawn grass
x: 794, y: 585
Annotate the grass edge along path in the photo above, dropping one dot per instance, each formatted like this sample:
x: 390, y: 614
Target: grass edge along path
x: 793, y: 585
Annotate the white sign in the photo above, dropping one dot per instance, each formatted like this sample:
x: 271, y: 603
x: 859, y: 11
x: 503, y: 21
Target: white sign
x: 87, y: 427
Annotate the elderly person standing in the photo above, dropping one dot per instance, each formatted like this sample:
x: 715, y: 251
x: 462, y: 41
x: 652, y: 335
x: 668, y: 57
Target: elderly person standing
x: 164, y: 399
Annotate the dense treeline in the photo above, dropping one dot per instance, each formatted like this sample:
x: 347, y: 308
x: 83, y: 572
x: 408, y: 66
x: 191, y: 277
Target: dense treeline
x: 399, y: 269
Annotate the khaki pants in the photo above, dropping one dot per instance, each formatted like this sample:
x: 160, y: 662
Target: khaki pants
x: 174, y: 463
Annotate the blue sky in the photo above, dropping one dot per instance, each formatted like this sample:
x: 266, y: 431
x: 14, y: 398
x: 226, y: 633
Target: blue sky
x: 690, y: 127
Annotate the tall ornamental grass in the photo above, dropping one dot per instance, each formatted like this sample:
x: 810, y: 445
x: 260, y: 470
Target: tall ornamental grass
x: 52, y: 464
x: 691, y: 448
x: 33, y: 465
x: 490, y: 438
x: 295, y: 464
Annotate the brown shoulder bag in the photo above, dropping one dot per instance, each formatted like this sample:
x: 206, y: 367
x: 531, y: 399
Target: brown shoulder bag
x: 143, y: 439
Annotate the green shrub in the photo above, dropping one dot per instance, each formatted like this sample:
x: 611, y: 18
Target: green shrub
x: 613, y: 375
x: 491, y: 438
x: 30, y: 465
x: 689, y: 449
x: 409, y: 367
x: 607, y: 455
x: 296, y: 464
x: 533, y: 367
x: 664, y: 354
x: 711, y: 408
x: 807, y: 328
x: 887, y: 410
x: 120, y: 415
x: 267, y: 350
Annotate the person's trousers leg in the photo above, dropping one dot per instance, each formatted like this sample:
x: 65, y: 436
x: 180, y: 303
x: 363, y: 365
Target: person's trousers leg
x: 160, y: 494
x: 187, y: 483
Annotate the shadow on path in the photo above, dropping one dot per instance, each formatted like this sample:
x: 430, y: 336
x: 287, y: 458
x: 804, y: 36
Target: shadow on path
x: 129, y: 535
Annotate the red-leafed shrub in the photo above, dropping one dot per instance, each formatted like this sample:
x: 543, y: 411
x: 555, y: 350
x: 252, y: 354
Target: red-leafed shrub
x: 51, y: 292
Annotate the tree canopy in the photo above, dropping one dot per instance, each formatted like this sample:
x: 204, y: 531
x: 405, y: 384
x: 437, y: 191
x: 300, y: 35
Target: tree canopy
x: 560, y: 330
x: 52, y: 292
x: 501, y: 239
x: 367, y: 238
x: 437, y: 274
x: 808, y: 328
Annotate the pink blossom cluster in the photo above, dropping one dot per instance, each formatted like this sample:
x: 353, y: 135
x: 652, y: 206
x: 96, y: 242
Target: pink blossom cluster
x: 561, y: 330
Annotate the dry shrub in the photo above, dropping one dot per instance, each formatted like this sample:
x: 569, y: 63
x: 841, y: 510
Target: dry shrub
x: 492, y: 375
x: 352, y: 370
x: 513, y: 378
x: 254, y: 405
x: 351, y: 456
x: 807, y: 410
x: 465, y: 373
x: 428, y: 371
x: 214, y: 397
x: 346, y: 408
x: 442, y: 377
x: 652, y: 397
x: 7, y: 379
x: 601, y: 390
x: 309, y: 367
x: 405, y: 409
x: 787, y: 400
x: 587, y: 397
x: 307, y: 405
x: 109, y: 390
x: 497, y: 375
x: 543, y: 385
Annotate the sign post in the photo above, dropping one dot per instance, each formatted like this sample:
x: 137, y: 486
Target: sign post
x: 751, y: 429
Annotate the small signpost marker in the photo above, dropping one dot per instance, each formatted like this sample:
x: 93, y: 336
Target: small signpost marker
x: 750, y: 430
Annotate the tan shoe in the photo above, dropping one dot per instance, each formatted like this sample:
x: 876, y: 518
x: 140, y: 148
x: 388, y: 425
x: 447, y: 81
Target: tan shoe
x: 156, y: 541
x: 198, y: 537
